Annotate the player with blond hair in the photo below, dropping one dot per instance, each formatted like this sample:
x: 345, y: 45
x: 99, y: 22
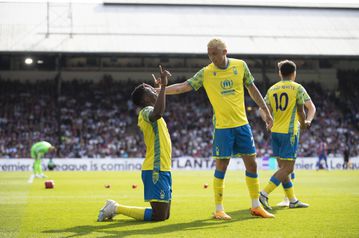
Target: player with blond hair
x: 224, y: 81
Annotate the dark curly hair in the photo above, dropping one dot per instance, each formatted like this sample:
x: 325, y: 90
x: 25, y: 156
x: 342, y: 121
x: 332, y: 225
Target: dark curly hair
x: 137, y: 95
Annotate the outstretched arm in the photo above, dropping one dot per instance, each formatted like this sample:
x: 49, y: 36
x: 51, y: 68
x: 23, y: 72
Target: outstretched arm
x: 177, y: 88
x: 160, y: 104
x: 193, y: 83
x: 258, y: 99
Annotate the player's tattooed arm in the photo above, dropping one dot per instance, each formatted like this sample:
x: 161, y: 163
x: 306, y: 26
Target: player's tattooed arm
x: 258, y: 99
x: 309, y: 105
x: 263, y: 115
x: 177, y: 88
x: 301, y: 115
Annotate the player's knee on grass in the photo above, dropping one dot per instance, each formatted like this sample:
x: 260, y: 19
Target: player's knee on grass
x: 160, y: 211
x: 168, y: 210
x: 159, y: 215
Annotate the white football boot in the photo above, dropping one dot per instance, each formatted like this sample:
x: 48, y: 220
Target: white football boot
x: 284, y: 203
x: 298, y: 204
x: 108, y: 211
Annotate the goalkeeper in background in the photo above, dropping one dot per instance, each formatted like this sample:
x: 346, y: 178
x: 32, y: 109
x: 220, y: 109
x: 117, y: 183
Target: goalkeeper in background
x: 38, y: 150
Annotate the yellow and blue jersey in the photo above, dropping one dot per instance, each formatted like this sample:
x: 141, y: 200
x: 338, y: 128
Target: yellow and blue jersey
x: 283, y: 97
x: 225, y: 90
x: 157, y: 140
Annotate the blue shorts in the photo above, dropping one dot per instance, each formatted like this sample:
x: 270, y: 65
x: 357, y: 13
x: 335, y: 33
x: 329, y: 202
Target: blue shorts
x: 161, y: 191
x: 233, y: 142
x: 285, y: 146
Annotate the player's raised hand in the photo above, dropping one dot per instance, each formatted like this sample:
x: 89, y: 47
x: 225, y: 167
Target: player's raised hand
x: 163, y: 79
x: 156, y: 81
x: 164, y: 76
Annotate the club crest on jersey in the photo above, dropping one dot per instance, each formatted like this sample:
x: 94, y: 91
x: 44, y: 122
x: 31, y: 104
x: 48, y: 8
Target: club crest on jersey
x: 235, y: 71
x: 226, y: 84
x: 214, y: 73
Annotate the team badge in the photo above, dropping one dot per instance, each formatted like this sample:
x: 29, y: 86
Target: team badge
x: 214, y: 73
x: 235, y: 71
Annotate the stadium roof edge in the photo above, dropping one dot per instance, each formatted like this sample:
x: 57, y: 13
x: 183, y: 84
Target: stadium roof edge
x: 96, y: 28
x: 174, y: 54
x: 256, y: 3
x: 213, y: 3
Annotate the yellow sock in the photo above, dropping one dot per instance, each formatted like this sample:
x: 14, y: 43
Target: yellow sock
x: 289, y: 191
x: 252, y: 184
x: 272, y: 184
x: 292, y: 177
x: 139, y: 213
x: 218, y: 187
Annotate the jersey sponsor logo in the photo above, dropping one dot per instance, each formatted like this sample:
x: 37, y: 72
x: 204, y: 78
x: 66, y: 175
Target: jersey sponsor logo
x: 227, y: 86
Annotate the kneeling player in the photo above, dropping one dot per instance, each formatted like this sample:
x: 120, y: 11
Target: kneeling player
x: 156, y: 168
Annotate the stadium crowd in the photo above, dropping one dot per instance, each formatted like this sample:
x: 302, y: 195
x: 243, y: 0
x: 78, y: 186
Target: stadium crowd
x: 98, y: 120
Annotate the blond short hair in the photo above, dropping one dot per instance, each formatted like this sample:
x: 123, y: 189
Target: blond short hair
x: 217, y: 43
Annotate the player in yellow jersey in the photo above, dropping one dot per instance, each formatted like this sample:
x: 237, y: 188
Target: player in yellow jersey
x: 224, y: 81
x: 285, y: 100
x: 311, y: 110
x: 156, y: 168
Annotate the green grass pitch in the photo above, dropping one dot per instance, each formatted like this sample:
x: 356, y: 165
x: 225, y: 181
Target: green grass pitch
x: 70, y: 210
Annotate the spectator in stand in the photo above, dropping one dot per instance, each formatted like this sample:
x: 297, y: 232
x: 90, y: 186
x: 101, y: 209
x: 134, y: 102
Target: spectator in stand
x: 97, y: 119
x: 346, y: 157
x: 322, y: 155
x: 346, y: 151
